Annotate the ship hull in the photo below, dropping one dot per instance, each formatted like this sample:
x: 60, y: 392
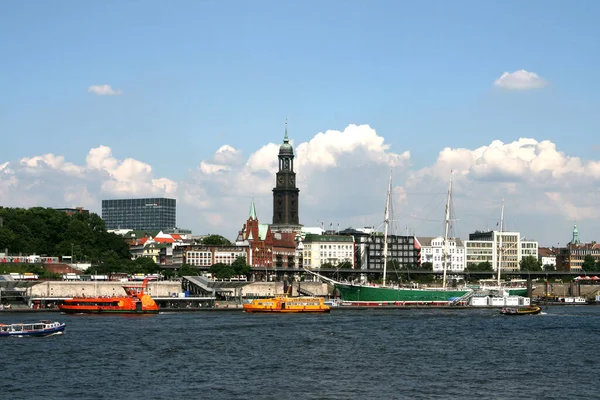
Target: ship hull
x: 90, y: 310
x: 358, y: 293
x: 518, y: 292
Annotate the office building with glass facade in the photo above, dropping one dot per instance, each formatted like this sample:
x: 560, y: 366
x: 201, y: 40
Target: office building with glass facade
x: 154, y: 214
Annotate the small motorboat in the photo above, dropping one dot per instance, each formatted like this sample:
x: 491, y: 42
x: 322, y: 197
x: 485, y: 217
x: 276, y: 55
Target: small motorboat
x: 529, y: 310
x: 41, y: 328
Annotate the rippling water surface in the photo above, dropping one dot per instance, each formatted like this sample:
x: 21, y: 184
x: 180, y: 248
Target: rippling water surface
x: 367, y: 354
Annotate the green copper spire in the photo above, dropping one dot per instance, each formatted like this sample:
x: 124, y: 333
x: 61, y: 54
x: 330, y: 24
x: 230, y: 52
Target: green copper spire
x: 286, y: 148
x: 575, y: 234
x: 253, y: 211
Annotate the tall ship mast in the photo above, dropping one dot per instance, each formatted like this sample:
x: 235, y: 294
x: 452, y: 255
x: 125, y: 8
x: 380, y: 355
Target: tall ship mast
x: 446, y: 228
x: 500, y: 243
x: 386, y: 221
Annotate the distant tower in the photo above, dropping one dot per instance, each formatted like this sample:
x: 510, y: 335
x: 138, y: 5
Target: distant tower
x: 285, y: 192
x: 575, y: 239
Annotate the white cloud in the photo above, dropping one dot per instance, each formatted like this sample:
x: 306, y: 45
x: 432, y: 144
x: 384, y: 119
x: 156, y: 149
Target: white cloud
x: 104, y: 90
x: 342, y: 176
x: 520, y: 80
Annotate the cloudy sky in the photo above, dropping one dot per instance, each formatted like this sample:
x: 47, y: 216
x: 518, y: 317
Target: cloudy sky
x: 121, y: 99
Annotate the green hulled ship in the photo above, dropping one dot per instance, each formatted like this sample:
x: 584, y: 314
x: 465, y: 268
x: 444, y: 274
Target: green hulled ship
x: 368, y: 293
x: 386, y: 294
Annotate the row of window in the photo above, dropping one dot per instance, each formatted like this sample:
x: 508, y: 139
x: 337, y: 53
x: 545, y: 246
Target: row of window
x: 438, y: 251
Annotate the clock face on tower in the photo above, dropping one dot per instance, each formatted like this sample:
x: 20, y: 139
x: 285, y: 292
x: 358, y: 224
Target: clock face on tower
x: 280, y: 180
x: 292, y: 180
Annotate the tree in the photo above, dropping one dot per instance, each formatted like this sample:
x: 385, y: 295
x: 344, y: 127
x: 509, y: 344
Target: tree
x: 549, y: 267
x: 530, y: 263
x: 187, y: 270
x: 216, y: 240
x: 145, y: 265
x: 345, y: 265
x: 589, y: 263
x: 50, y: 232
x: 427, y: 266
x: 222, y: 271
x: 483, y: 266
x: 240, y: 267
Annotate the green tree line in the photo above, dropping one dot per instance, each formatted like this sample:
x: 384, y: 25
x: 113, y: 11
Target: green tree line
x: 53, y: 233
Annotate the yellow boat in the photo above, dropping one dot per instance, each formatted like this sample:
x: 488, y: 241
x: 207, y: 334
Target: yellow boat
x: 287, y: 305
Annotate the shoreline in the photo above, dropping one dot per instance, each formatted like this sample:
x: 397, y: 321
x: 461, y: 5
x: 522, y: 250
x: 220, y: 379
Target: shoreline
x: 333, y: 309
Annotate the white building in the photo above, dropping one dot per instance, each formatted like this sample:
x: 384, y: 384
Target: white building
x: 547, y: 256
x: 327, y: 249
x: 485, y: 247
x: 432, y: 251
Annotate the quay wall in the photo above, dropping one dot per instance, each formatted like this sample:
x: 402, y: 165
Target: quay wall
x: 267, y: 289
x: 71, y: 289
x: 566, y: 289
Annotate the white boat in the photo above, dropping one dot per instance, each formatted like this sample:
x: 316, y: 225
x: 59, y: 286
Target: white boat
x: 41, y: 328
x: 497, y: 292
x: 572, y: 300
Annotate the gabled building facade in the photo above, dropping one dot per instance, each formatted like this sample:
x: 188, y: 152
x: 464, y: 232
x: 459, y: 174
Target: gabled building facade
x: 258, y: 239
x: 431, y: 250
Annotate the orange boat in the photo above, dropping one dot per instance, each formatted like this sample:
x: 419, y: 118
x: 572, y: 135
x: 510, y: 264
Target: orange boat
x: 287, y: 305
x: 137, y: 301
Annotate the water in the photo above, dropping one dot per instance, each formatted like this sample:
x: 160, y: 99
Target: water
x: 375, y: 354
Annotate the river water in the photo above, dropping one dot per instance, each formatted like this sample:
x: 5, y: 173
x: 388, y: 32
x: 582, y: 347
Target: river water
x: 365, y: 354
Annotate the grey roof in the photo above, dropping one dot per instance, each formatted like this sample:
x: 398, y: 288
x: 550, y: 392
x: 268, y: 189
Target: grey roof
x: 426, y: 240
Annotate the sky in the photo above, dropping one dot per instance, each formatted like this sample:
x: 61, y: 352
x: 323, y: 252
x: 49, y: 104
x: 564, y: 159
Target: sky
x: 188, y: 99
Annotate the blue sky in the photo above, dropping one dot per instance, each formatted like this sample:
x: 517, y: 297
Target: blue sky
x: 197, y: 75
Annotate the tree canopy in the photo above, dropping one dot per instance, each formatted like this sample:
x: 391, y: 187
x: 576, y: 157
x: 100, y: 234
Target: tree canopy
x: 530, y: 263
x: 589, y: 263
x: 224, y: 271
x: 50, y: 232
x: 427, y: 266
x: 483, y: 266
x: 216, y: 240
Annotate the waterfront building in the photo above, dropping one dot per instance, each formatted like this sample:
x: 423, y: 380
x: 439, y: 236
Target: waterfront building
x: 206, y: 256
x: 368, y: 253
x: 327, y: 249
x: 258, y: 239
x: 140, y: 214
x: 571, y: 257
x: 432, y: 251
x: 547, y: 256
x: 160, y: 247
x: 485, y: 247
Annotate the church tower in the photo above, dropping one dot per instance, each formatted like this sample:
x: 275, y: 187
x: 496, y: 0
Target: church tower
x: 575, y: 239
x: 285, y: 192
